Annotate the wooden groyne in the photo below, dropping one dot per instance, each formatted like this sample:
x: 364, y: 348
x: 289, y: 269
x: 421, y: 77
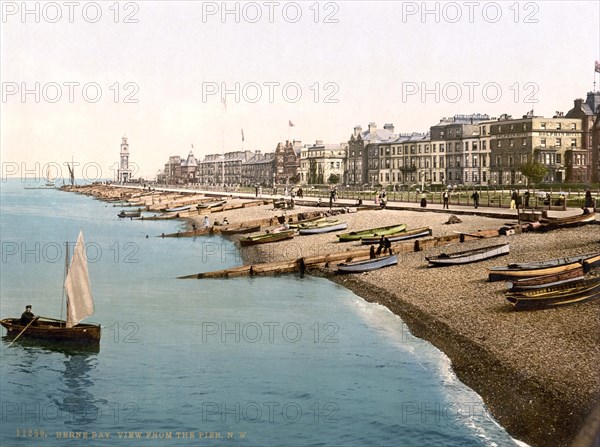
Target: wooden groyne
x: 267, y: 222
x: 302, y: 264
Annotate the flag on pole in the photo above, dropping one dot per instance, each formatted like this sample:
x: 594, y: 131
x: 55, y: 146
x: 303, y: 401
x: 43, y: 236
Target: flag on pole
x: 242, y: 135
x: 291, y: 124
x: 597, y: 67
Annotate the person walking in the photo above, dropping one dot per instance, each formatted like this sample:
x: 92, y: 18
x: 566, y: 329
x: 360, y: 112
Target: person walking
x: 475, y: 197
x: 446, y: 199
x: 423, y: 200
x: 513, y: 200
x: 589, y: 201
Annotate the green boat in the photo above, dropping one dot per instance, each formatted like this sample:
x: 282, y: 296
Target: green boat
x: 372, y: 232
x: 267, y: 238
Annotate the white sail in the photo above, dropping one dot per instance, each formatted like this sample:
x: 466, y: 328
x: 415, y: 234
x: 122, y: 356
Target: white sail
x: 80, y: 303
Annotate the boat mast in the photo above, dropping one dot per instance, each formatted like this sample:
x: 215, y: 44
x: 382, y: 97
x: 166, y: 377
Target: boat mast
x: 63, y: 299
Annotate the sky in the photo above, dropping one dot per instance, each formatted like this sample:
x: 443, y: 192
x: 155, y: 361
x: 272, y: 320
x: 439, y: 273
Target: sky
x: 77, y: 76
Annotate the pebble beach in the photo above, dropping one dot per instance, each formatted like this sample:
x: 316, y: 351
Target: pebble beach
x: 537, y: 370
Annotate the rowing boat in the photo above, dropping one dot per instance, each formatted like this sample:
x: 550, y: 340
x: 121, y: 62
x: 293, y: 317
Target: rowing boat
x: 367, y: 265
x: 372, y: 232
x: 129, y: 214
x: 267, y: 238
x: 177, y: 209
x: 552, y: 223
x: 79, y: 304
x: 552, y: 266
x: 581, y: 291
x: 190, y: 233
x: 211, y: 204
x: 303, y: 222
x: 240, y: 229
x: 538, y: 282
x: 325, y: 227
x: 401, y: 236
x: 468, y: 256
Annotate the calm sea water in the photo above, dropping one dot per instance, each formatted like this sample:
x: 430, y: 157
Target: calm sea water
x: 249, y: 361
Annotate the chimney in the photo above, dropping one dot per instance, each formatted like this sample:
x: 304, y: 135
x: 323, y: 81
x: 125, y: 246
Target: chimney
x: 389, y: 127
x: 372, y: 127
x: 578, y: 103
x: 357, y: 130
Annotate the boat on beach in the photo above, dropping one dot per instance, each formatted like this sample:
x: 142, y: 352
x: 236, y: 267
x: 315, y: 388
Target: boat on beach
x: 303, y: 222
x: 177, y: 209
x: 553, y: 223
x: 372, y: 232
x: 367, y: 265
x: 323, y: 227
x: 240, y: 229
x: 555, y: 279
x: 80, y: 305
x: 401, y: 236
x: 585, y: 290
x: 190, y: 233
x: 267, y: 238
x: 211, y: 204
x: 469, y: 256
x: 540, y: 268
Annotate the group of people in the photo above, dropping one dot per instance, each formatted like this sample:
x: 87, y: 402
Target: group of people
x: 385, y: 245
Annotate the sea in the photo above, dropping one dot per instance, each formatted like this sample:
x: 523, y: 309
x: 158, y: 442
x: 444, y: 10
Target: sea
x: 271, y: 361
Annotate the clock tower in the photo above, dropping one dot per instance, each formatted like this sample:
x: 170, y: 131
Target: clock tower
x: 124, y: 173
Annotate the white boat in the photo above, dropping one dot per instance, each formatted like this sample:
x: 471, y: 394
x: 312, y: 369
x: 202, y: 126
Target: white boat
x: 367, y: 265
x: 468, y: 256
x: 177, y: 209
x: 326, y: 228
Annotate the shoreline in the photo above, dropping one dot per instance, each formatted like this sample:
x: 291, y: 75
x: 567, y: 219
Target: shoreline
x: 536, y: 371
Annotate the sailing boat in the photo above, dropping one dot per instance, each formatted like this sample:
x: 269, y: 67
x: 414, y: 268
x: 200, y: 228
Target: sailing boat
x: 80, y: 305
x: 49, y: 181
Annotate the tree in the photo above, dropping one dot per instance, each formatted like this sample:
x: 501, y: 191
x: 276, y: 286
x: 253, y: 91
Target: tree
x: 333, y: 179
x: 534, y: 171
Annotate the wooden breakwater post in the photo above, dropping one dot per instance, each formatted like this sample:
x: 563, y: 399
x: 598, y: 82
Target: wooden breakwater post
x: 303, y: 264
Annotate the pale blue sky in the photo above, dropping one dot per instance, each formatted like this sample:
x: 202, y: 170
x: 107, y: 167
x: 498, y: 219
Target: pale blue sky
x: 364, y: 61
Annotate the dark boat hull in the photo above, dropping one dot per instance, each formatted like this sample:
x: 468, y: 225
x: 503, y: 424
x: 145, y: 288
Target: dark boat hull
x: 538, y: 282
x: 551, y: 267
x: 53, y: 331
x: 556, y: 296
x: 469, y: 256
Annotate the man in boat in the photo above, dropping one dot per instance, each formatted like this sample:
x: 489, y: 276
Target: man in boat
x: 27, y: 316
